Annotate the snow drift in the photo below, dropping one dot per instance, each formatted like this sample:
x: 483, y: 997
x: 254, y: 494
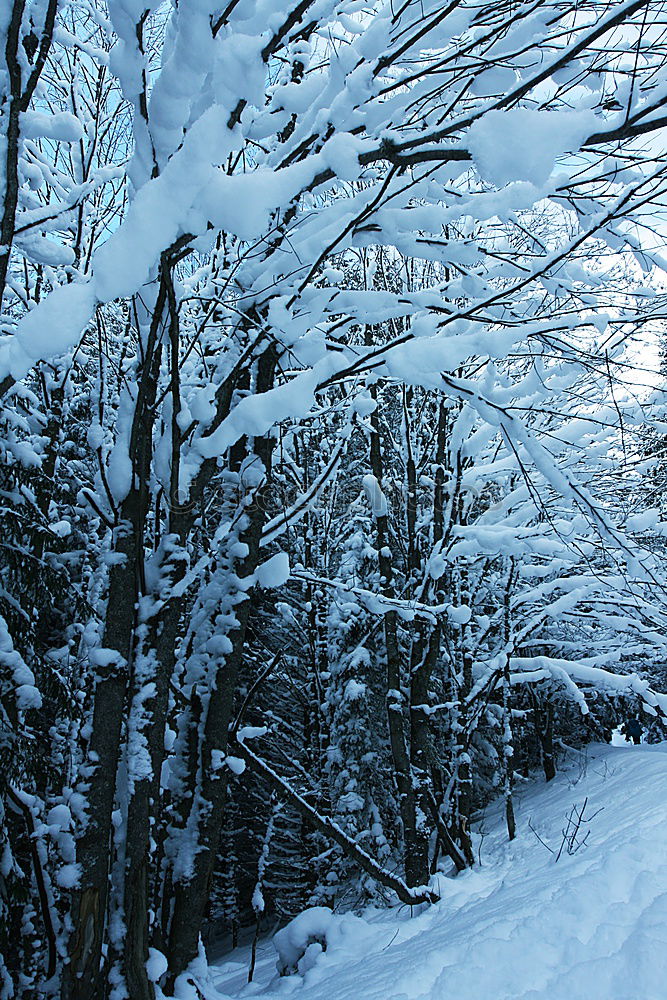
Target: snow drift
x: 526, y: 923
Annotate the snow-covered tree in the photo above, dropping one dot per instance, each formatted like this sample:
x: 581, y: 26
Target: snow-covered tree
x: 246, y: 244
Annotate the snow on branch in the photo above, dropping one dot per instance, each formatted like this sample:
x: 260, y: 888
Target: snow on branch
x: 571, y: 673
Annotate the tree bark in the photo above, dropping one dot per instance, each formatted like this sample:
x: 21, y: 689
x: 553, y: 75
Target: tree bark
x: 19, y: 100
x: 190, y: 897
x: 162, y: 640
x: 414, y: 840
x: 83, y: 975
x: 544, y: 729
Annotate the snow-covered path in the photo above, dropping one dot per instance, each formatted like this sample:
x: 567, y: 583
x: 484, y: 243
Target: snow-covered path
x: 591, y: 926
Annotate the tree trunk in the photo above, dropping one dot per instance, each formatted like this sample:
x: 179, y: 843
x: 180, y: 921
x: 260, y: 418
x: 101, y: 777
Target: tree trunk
x: 420, y: 748
x: 544, y: 728
x: 83, y: 977
x: 20, y: 96
x: 89, y: 905
x: 415, y: 851
x: 191, y: 895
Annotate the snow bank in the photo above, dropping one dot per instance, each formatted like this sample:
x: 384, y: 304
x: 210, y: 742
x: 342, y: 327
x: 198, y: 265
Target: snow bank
x: 313, y: 932
x: 521, y: 925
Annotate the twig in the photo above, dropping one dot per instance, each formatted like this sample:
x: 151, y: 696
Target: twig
x: 542, y: 842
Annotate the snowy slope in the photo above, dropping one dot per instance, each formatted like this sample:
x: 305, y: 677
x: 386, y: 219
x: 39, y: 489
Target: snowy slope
x: 522, y: 926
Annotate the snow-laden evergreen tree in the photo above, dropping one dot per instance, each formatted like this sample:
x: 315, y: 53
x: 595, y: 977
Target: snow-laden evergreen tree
x: 358, y: 756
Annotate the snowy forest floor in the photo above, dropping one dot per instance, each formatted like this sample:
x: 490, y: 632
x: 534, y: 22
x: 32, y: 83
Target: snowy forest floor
x: 525, y: 924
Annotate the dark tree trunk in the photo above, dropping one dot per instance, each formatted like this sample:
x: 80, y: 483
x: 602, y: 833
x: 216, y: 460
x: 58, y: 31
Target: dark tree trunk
x: 83, y: 978
x: 415, y: 842
x: 190, y: 898
x: 543, y: 714
x: 20, y: 95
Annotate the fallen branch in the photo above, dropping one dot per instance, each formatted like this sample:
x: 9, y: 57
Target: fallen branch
x: 326, y: 826
x: 454, y: 852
